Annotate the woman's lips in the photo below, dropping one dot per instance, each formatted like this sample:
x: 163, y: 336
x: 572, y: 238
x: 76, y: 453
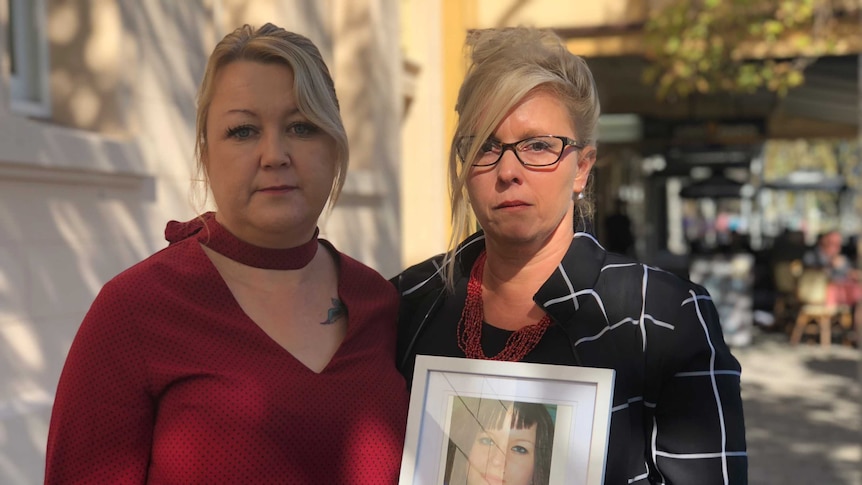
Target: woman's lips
x: 509, y: 204
x: 277, y: 189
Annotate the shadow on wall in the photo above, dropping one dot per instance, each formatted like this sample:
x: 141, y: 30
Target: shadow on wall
x: 98, y: 53
x: 301, y: 16
x: 64, y: 233
x: 511, y: 13
x: 86, y: 58
x: 367, y: 215
x: 61, y: 243
x: 172, y: 48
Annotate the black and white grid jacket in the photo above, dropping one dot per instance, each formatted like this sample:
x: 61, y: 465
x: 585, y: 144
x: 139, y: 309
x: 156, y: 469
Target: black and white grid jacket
x: 677, y: 414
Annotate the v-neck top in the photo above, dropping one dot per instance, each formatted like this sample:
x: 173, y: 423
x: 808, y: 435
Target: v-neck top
x: 169, y: 381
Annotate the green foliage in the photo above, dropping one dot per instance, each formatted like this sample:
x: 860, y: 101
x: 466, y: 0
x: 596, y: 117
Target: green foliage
x: 709, y: 46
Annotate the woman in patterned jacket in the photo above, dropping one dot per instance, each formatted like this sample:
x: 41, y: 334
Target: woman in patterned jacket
x: 528, y: 287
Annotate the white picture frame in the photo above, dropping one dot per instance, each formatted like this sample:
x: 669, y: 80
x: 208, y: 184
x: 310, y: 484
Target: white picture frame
x: 445, y: 390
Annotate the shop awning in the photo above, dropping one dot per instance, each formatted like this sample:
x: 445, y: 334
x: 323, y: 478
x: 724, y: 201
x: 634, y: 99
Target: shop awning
x: 805, y: 180
x: 716, y: 186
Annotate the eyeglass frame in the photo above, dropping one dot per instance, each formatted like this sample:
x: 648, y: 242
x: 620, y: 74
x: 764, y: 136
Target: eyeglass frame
x: 567, y: 142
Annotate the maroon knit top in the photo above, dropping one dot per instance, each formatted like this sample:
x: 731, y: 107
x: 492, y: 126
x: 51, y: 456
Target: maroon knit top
x: 169, y: 382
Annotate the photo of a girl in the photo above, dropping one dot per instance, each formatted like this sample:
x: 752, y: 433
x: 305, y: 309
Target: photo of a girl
x: 492, y: 442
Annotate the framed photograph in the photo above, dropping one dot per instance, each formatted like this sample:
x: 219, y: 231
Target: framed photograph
x: 480, y: 422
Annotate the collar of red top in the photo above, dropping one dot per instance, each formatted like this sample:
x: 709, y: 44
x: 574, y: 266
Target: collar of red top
x: 214, y: 236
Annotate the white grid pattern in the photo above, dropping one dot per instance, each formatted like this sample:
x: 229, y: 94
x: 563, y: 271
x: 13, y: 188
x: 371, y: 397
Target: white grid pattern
x: 683, y: 332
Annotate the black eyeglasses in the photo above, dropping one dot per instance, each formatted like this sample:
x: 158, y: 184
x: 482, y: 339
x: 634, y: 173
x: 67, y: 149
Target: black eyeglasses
x: 536, y: 151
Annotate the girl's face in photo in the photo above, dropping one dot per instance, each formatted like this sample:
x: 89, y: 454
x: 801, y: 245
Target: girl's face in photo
x: 502, y: 457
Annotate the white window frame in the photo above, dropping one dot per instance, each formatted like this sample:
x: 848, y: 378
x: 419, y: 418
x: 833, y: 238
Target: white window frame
x: 29, y: 87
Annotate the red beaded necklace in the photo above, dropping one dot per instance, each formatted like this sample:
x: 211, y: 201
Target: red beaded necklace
x: 518, y: 345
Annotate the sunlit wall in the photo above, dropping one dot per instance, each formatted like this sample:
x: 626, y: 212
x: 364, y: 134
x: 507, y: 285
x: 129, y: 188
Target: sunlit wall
x: 88, y: 183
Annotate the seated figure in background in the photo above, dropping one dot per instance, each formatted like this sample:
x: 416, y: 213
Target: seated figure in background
x: 844, y: 281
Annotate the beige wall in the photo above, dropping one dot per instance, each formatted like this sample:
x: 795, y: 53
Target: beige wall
x: 367, y: 70
x: 84, y: 46
x: 87, y: 192
x: 424, y: 200
x: 558, y: 14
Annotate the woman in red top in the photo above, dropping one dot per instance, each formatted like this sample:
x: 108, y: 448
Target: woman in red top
x: 248, y: 350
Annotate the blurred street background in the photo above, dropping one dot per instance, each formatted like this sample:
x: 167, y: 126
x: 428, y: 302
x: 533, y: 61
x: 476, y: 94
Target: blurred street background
x: 802, y: 412
x: 728, y: 145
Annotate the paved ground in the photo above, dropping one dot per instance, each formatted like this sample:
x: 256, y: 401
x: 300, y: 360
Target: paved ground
x: 803, y: 411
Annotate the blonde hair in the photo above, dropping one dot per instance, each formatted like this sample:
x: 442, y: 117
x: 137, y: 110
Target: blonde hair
x: 313, y: 88
x: 506, y: 65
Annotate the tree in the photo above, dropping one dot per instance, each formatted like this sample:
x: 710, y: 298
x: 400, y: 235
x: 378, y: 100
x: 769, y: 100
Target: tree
x: 740, y: 46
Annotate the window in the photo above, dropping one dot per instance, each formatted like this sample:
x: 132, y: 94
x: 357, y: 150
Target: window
x: 28, y: 58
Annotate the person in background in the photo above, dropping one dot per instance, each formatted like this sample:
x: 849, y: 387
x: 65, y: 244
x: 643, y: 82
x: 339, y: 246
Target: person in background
x: 527, y: 287
x: 827, y: 255
x: 618, y: 230
x: 845, y: 287
x: 248, y: 350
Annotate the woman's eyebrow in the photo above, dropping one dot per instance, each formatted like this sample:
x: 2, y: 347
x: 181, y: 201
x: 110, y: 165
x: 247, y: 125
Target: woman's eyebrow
x: 245, y: 111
